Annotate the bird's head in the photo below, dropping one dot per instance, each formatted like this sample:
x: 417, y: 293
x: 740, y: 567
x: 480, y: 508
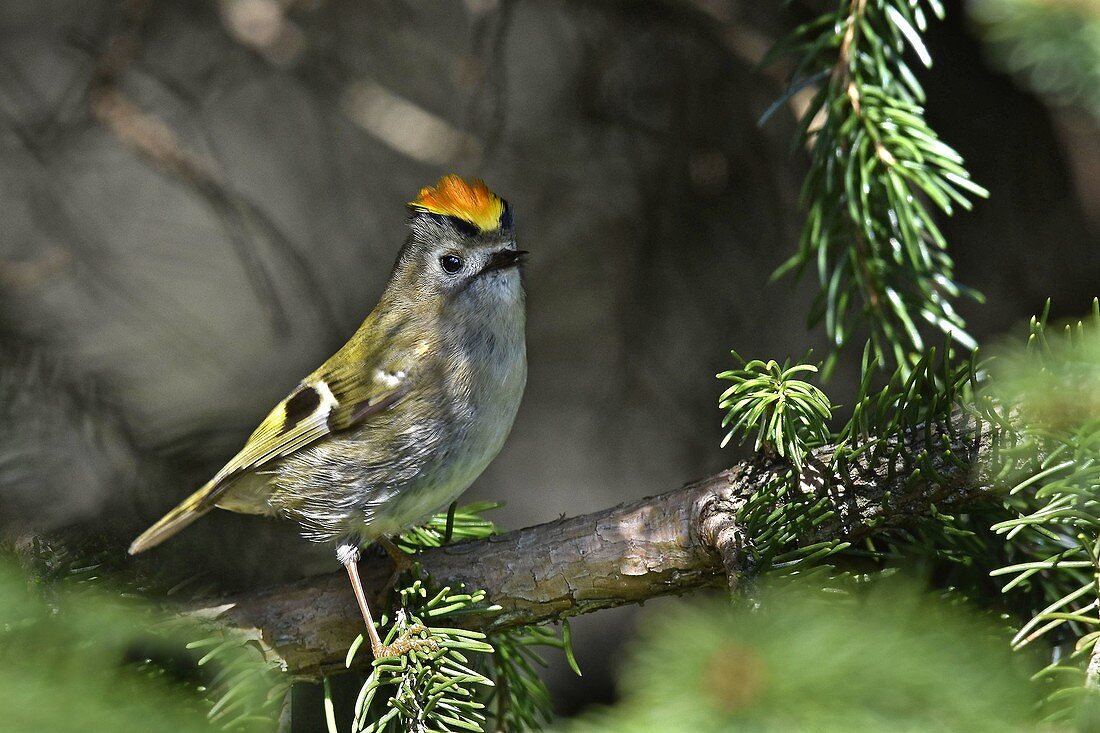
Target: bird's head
x: 461, y: 251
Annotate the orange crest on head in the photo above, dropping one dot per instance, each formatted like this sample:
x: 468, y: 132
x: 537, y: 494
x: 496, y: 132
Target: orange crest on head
x: 471, y: 202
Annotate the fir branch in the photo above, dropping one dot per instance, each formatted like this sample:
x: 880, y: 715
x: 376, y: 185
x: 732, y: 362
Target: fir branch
x: 776, y: 521
x: 467, y: 680
x: 429, y: 689
x: 876, y: 167
x: 788, y: 415
x: 84, y: 653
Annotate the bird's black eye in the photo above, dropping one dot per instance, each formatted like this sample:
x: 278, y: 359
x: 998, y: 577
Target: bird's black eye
x: 451, y: 263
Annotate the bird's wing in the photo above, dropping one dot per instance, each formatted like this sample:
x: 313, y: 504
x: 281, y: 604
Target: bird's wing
x: 324, y: 403
x: 331, y: 399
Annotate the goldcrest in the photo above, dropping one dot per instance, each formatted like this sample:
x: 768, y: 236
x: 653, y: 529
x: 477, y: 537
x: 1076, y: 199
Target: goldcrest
x: 403, y: 418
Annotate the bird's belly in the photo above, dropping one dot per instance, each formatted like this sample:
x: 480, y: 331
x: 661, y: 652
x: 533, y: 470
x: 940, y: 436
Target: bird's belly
x: 388, y: 475
x: 442, y: 476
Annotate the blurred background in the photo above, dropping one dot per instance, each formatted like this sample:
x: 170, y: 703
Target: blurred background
x: 201, y: 199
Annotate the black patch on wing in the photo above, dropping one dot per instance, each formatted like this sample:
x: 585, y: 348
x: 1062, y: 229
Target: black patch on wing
x: 300, y: 406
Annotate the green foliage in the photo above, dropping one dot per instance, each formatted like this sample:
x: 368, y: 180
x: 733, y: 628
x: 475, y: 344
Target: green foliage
x: 520, y: 700
x: 1041, y: 405
x: 883, y: 658
x: 877, y: 172
x: 1053, y: 47
x: 782, y: 519
x: 246, y: 688
x: 431, y: 689
x: 788, y: 415
x: 458, y: 523
x: 877, y: 175
x: 1049, y: 456
x: 80, y: 657
x: 470, y: 682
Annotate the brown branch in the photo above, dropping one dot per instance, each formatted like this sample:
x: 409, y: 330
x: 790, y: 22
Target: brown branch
x: 667, y: 544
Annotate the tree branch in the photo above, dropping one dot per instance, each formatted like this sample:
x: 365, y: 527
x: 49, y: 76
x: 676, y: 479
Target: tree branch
x: 667, y: 544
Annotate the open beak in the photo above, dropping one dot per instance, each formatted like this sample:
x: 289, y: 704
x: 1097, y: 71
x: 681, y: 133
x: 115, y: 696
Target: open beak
x: 503, y: 259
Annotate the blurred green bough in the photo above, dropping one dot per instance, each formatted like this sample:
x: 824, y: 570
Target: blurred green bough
x: 843, y: 659
x: 63, y: 632
x: 1050, y: 459
x: 875, y: 166
x: 79, y: 656
x: 246, y: 688
x: 471, y: 682
x: 1053, y: 46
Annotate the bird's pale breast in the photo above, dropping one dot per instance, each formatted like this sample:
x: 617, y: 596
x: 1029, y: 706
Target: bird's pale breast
x: 403, y: 464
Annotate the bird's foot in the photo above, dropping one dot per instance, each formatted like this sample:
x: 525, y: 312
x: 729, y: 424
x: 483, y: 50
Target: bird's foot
x: 409, y: 641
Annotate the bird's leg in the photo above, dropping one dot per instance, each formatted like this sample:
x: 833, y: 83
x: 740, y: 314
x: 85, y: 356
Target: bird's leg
x: 349, y: 556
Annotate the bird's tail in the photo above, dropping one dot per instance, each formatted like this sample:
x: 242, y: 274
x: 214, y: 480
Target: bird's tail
x: 188, y: 511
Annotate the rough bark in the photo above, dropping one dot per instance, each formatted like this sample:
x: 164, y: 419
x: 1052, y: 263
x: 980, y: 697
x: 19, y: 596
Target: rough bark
x: 667, y: 544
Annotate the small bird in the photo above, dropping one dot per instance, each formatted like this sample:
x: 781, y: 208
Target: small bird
x: 409, y: 412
